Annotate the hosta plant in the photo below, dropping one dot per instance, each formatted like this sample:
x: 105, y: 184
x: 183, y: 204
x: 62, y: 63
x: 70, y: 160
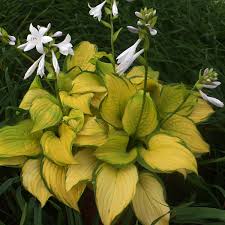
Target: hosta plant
x: 105, y: 126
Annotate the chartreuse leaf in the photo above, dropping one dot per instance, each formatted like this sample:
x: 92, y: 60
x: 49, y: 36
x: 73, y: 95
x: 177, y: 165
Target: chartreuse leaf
x: 33, y: 94
x: 97, y: 99
x: 75, y: 119
x: 77, y: 101
x: 32, y: 180
x: 186, y: 130
x: 170, y: 99
x: 93, y: 133
x: 119, y: 92
x: 83, y: 170
x: 13, y: 161
x: 19, y: 141
x: 132, y: 123
x: 115, y: 189
x: 166, y: 154
x: 137, y: 74
x: 201, y: 111
x: 59, y: 149
x: 104, y: 68
x: 87, y: 82
x: 149, y: 202
x: 114, y: 151
x: 45, y: 113
x: 55, y: 179
x: 80, y: 61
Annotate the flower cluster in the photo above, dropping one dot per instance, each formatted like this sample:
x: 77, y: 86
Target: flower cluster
x: 96, y: 11
x: 209, y: 80
x: 9, y: 39
x: 46, y: 46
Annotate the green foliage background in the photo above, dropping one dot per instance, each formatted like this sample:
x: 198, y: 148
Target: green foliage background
x: 191, y: 36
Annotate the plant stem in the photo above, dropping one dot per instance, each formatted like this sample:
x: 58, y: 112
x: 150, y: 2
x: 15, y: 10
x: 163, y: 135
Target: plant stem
x: 57, y: 94
x: 24, y: 55
x: 145, y: 91
x: 112, y: 41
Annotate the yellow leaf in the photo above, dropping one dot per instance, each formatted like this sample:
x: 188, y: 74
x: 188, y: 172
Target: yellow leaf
x: 77, y: 101
x: 93, y: 133
x: 149, y: 202
x: 83, y: 170
x: 87, y: 82
x: 32, y: 181
x: 97, y: 99
x: 186, y: 130
x: 104, y: 68
x: 115, y: 188
x: 18, y: 140
x: 13, y: 161
x: 75, y: 119
x: 45, y: 114
x: 132, y: 123
x: 119, y: 92
x: 80, y: 61
x: 167, y: 154
x: 137, y: 74
x: 59, y: 149
x: 33, y: 94
x: 55, y: 178
x: 201, y: 111
x: 114, y: 151
x: 170, y: 99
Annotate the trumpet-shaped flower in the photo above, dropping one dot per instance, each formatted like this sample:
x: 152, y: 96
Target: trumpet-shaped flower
x: 96, y: 12
x: 40, y: 64
x: 12, y: 40
x: 55, y: 63
x: 152, y: 31
x: 126, y: 58
x: 57, y: 34
x: 133, y: 29
x: 115, y: 9
x: 36, y: 39
x: 65, y: 47
x: 212, y: 100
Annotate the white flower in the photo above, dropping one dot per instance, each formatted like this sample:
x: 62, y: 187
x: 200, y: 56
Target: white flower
x: 57, y: 34
x: 212, y: 100
x: 115, y: 9
x: 139, y: 15
x: 96, y: 12
x: 212, y: 85
x: 152, y: 31
x: 12, y: 40
x: 126, y: 58
x: 36, y: 39
x: 41, y: 66
x: 40, y: 63
x: 65, y: 47
x: 55, y: 63
x: 133, y: 29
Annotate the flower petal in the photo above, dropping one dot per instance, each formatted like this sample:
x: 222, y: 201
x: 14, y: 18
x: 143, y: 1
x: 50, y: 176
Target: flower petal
x: 46, y: 39
x: 29, y: 46
x: 41, y: 66
x: 55, y: 63
x: 32, y: 69
x: 40, y: 48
